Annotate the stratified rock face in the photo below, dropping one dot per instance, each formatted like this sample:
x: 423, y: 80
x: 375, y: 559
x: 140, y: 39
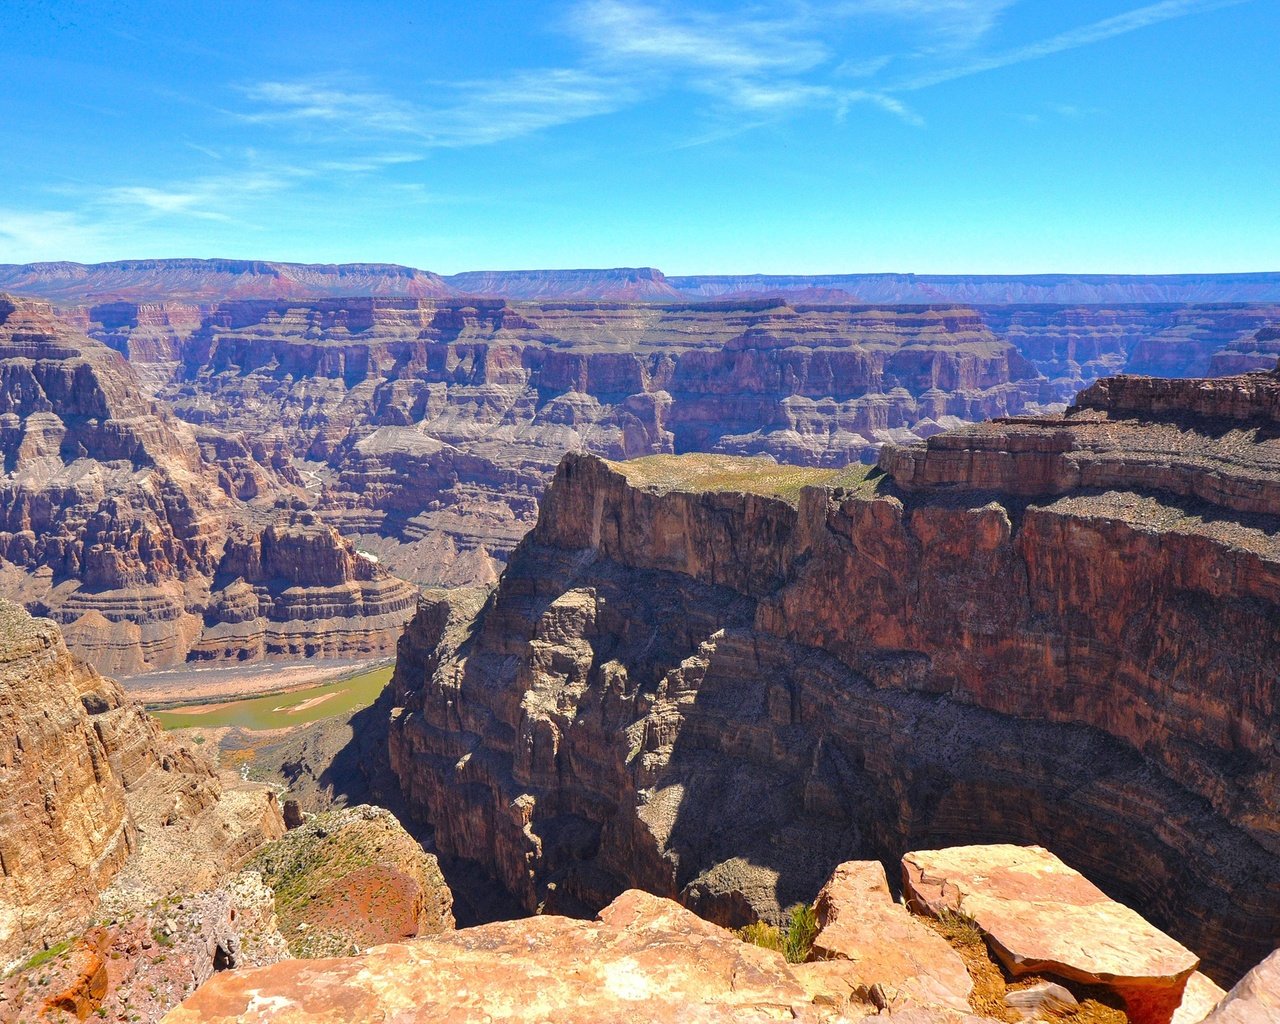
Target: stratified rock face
x: 1051, y: 631
x: 350, y: 879
x: 186, y: 280
x: 214, y: 280
x: 427, y: 429
x: 644, y: 960
x: 1258, y: 351
x: 145, y: 538
x: 298, y: 587
x: 64, y: 826
x: 1040, y: 916
x: 95, y: 794
x: 1075, y: 345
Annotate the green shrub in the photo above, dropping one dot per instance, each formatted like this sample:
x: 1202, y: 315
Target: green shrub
x: 767, y: 936
x: 802, y: 929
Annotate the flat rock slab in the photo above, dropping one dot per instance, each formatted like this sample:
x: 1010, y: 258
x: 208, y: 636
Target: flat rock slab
x: 1255, y: 1000
x: 871, y: 940
x: 645, y: 959
x: 1039, y: 915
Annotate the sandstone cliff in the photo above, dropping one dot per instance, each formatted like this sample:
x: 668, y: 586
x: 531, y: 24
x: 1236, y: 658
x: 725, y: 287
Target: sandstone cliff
x: 95, y: 794
x: 701, y: 677
x: 427, y: 429
x: 137, y: 533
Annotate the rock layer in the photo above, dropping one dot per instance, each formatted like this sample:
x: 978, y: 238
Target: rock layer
x: 149, y: 541
x: 95, y: 794
x: 426, y: 429
x: 1050, y: 630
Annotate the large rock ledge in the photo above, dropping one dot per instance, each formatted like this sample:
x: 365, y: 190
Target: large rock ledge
x: 714, y: 681
x: 647, y: 959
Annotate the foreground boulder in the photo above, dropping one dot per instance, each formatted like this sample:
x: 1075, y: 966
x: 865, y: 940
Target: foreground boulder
x: 871, y: 940
x: 1041, y: 916
x: 644, y: 959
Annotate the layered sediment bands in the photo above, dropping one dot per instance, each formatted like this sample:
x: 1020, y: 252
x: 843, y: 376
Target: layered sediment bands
x: 128, y: 526
x: 1258, y: 351
x: 72, y: 750
x: 216, y: 280
x: 1075, y: 345
x: 1054, y: 631
x: 427, y: 429
x: 299, y: 588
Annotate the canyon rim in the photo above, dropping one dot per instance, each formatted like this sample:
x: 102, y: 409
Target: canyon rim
x: 618, y: 510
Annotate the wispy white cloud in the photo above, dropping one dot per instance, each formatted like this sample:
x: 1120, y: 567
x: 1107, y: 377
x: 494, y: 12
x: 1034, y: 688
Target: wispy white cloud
x: 469, y: 113
x: 1085, y: 35
x: 940, y: 23
x: 625, y: 31
x: 27, y: 235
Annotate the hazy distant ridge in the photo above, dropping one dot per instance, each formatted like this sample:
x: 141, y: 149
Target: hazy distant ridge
x: 193, y: 280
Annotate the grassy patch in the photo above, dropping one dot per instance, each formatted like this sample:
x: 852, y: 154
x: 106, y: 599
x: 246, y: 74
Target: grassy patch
x: 281, y: 710
x: 734, y: 474
x: 46, y: 955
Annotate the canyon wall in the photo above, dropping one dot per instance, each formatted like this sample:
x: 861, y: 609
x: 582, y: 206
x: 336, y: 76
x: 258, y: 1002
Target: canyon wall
x: 151, y: 541
x: 91, y: 786
x: 715, y: 678
x: 401, y: 440
x: 425, y: 430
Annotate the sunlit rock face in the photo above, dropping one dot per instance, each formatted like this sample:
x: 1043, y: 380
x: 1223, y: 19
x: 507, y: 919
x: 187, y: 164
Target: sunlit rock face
x: 699, y: 677
x: 427, y: 429
x: 94, y: 791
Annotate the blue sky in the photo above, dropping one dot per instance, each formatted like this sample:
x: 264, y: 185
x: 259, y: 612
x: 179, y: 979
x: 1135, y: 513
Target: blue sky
x: 944, y: 136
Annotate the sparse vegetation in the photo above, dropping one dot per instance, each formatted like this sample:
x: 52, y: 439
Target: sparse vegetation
x: 991, y: 981
x: 45, y: 956
x: 794, y: 941
x: 730, y: 474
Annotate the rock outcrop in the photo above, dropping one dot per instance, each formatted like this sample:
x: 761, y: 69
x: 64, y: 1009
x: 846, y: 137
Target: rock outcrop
x: 1040, y: 916
x: 644, y: 960
x: 647, y: 959
x: 139, y: 965
x: 874, y: 941
x: 97, y: 797
x: 700, y: 677
x: 1256, y: 999
x: 353, y: 878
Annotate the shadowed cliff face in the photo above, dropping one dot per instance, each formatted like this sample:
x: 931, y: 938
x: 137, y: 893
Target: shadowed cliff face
x: 1055, y: 630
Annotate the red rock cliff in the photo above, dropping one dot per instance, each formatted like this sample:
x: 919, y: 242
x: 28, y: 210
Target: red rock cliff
x: 1052, y: 630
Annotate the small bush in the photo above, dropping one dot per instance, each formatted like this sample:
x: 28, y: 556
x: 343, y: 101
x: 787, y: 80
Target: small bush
x: 767, y: 936
x: 960, y: 928
x: 802, y: 929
